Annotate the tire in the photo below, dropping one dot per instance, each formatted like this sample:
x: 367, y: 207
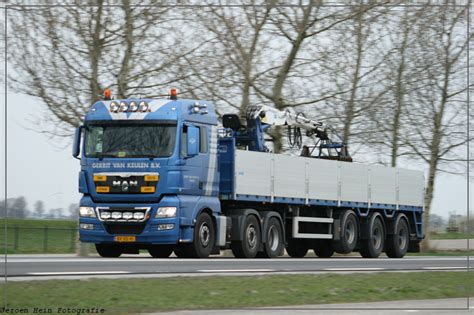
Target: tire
x: 374, y: 244
x: 248, y: 247
x: 349, y: 233
x: 160, y: 251
x: 274, y: 236
x: 204, y: 239
x: 323, y: 248
x: 108, y: 250
x: 296, y: 249
x: 184, y: 251
x: 398, y: 242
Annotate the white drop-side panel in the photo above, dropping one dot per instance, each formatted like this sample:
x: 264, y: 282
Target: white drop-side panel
x: 322, y: 179
x: 383, y: 183
x: 289, y: 177
x: 411, y: 187
x: 252, y: 173
x: 253, y: 176
x: 354, y: 182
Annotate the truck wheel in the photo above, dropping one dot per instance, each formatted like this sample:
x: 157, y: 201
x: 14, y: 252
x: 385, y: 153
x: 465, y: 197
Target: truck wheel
x: 373, y: 245
x: 160, y: 251
x: 204, y: 236
x: 323, y: 249
x: 296, y: 249
x: 248, y: 247
x: 397, y: 243
x: 184, y: 251
x: 108, y: 250
x: 349, y: 233
x: 274, y: 243
x: 204, y: 239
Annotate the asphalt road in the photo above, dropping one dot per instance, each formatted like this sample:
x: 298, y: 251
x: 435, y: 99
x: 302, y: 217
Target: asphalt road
x: 439, y: 306
x: 32, y: 267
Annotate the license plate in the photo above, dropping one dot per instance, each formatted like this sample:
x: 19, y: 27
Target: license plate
x: 125, y: 239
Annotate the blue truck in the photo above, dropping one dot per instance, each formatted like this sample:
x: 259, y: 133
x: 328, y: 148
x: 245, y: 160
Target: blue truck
x: 168, y: 175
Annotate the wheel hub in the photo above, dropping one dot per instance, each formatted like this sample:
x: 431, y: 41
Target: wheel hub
x: 204, y: 235
x: 251, y: 236
x: 377, y: 237
x: 402, y: 238
x: 350, y: 232
x: 273, y: 238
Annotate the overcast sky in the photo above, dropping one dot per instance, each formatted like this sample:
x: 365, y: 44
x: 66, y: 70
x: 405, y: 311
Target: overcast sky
x: 41, y: 168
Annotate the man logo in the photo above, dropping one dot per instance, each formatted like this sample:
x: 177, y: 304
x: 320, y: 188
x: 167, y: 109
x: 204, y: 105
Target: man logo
x: 124, y: 185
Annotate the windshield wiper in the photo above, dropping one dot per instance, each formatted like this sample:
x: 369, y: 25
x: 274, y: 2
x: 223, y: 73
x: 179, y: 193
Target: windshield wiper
x: 104, y: 155
x: 151, y: 156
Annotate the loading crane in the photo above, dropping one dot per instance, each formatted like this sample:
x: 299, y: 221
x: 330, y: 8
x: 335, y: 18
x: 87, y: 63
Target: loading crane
x: 327, y: 144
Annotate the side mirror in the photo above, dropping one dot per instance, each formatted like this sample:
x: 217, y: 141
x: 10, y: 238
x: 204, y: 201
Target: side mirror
x: 76, y: 147
x: 192, y: 141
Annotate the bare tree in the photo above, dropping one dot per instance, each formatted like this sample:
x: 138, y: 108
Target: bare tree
x: 438, y: 116
x: 38, y: 209
x: 238, y: 38
x: 398, y: 74
x: 355, y: 69
x: 66, y: 56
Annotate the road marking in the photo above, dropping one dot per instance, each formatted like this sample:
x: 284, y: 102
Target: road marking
x: 353, y: 269
x: 76, y: 273
x: 443, y: 268
x: 223, y: 260
x: 236, y: 270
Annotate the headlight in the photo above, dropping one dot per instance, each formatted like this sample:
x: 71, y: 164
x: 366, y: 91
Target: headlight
x: 127, y: 215
x: 114, y: 107
x: 105, y: 215
x: 166, y: 212
x: 84, y: 226
x: 143, y: 106
x: 116, y: 215
x: 123, y: 106
x: 133, y: 106
x: 138, y: 215
x: 87, y: 212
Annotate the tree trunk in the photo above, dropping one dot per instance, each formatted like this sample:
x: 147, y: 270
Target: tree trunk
x: 95, y: 51
x: 425, y: 244
x: 349, y: 111
x: 400, y: 94
x: 122, y: 77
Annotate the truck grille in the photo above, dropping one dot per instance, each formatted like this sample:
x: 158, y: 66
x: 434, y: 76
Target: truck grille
x: 124, y: 228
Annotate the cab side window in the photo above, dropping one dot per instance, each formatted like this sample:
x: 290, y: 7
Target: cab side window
x: 202, y: 139
x: 184, y: 141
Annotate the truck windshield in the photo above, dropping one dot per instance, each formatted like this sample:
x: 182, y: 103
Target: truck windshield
x: 130, y: 141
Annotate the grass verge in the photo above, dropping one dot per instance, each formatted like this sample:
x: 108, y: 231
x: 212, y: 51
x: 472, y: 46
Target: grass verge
x: 27, y: 236
x: 147, y: 295
x: 444, y: 253
x: 450, y: 236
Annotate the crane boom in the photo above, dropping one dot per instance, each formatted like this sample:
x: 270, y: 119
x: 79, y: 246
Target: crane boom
x: 274, y: 117
x: 328, y: 143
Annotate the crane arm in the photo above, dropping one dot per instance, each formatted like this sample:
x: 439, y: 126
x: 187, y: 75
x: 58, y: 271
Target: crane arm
x: 274, y: 117
x: 270, y: 116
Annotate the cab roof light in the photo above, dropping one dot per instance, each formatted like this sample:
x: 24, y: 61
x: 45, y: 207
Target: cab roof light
x: 133, y: 106
x: 123, y: 106
x: 173, y: 94
x: 114, y: 107
x: 144, y: 107
x: 198, y: 108
x: 107, y: 94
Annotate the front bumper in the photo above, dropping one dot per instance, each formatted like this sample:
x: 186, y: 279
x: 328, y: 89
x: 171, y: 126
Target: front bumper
x: 145, y: 233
